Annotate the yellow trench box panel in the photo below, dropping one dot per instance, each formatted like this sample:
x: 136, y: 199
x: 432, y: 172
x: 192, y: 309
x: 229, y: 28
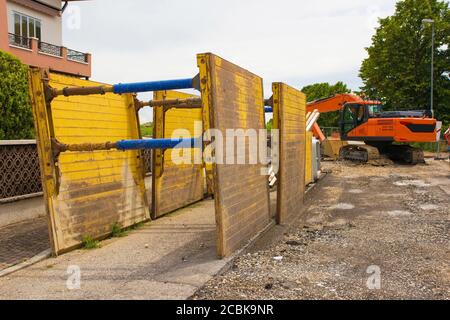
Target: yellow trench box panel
x: 308, y: 159
x: 87, y: 192
x: 176, y: 182
x: 289, y: 106
x: 233, y: 99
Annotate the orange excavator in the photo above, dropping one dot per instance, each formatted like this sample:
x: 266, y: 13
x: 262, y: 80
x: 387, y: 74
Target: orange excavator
x: 365, y: 120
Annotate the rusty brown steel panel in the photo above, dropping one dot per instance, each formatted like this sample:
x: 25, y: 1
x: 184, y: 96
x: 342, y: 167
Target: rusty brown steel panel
x: 175, y: 185
x: 86, y: 193
x: 234, y: 98
x: 290, y: 106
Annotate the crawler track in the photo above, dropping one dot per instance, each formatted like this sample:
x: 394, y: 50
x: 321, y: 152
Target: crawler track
x: 365, y: 153
x: 405, y: 153
x: 361, y: 153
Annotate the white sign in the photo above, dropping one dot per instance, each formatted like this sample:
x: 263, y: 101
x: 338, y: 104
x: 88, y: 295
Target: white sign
x: 374, y: 281
x: 74, y: 280
x: 438, y: 130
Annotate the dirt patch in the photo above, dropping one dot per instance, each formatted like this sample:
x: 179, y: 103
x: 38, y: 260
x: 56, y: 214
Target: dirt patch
x: 395, y: 231
x: 399, y: 213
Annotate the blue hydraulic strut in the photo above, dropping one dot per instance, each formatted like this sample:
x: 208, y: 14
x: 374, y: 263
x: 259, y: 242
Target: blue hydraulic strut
x: 189, y: 83
x: 158, y: 144
x: 153, y: 86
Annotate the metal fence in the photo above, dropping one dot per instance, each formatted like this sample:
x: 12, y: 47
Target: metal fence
x: 328, y: 131
x: 76, y: 56
x: 20, y: 173
x: 19, y: 41
x: 147, y: 154
x: 19, y: 169
x: 49, y: 48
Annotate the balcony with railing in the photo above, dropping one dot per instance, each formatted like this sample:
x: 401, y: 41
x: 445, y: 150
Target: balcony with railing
x: 51, y: 49
x: 19, y: 41
x: 76, y: 56
x: 46, y: 55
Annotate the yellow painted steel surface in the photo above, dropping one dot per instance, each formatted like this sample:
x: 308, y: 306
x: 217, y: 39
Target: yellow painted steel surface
x: 176, y: 185
x: 206, y: 120
x: 289, y: 106
x: 87, y: 192
x: 308, y: 159
x: 234, y: 100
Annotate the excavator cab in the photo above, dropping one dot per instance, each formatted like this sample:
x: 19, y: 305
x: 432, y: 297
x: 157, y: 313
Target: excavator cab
x: 353, y: 115
x: 374, y: 110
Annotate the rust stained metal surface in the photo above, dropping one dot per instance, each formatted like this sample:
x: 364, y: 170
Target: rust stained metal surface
x: 205, y: 87
x: 289, y: 107
x: 86, y: 193
x: 234, y: 98
x: 61, y: 147
x: 176, y: 185
x: 172, y: 103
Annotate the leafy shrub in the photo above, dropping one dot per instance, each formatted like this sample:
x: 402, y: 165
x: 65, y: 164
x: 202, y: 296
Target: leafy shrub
x: 16, y: 118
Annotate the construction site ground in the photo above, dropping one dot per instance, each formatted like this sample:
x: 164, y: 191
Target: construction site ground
x: 360, y: 221
x: 395, y: 218
x: 169, y: 258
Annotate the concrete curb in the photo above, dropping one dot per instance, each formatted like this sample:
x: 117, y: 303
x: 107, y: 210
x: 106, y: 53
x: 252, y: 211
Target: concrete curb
x: 22, y: 197
x: 37, y: 258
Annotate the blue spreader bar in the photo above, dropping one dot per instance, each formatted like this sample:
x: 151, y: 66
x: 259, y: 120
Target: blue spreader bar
x: 153, y: 86
x: 159, y: 144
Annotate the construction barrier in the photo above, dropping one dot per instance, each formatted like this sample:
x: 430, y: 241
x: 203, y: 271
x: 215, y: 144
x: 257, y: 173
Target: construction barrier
x: 91, y: 154
x: 147, y: 157
x: 316, y: 158
x: 289, y: 107
x: 309, y: 177
x: 86, y: 193
x: 232, y: 98
x: 175, y: 185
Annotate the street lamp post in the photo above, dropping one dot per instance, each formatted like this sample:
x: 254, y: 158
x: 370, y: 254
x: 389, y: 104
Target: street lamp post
x: 431, y: 21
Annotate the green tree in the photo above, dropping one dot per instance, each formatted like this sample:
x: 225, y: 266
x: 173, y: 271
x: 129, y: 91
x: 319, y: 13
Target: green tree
x: 269, y: 125
x: 324, y: 90
x: 147, y: 129
x: 397, y: 70
x: 16, y: 119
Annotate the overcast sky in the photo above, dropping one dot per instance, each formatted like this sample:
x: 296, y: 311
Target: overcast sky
x: 297, y: 42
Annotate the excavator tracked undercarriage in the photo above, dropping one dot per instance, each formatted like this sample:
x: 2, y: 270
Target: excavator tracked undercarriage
x: 359, y: 152
x: 370, y: 154
x: 406, y: 154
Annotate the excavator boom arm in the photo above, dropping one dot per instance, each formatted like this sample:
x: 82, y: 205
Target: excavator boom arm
x: 336, y: 102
